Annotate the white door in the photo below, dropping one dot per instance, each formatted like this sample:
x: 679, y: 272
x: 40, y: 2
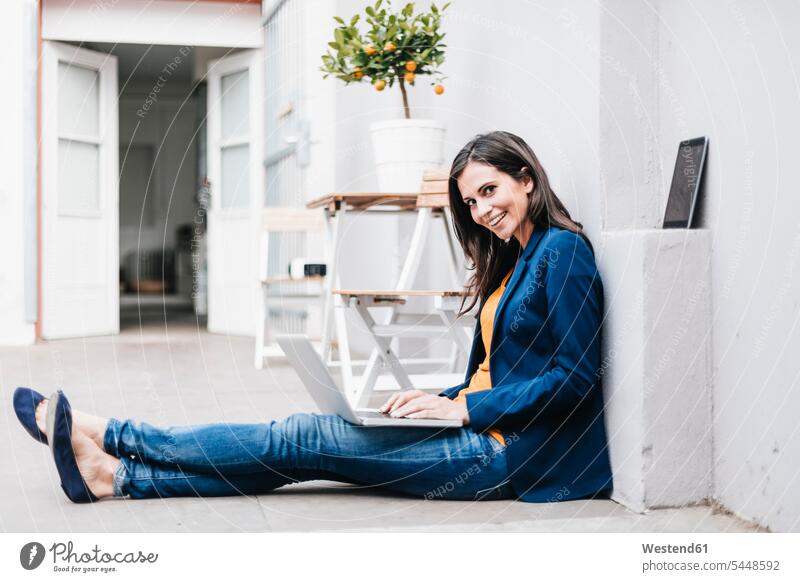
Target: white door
x: 236, y: 173
x: 80, y: 193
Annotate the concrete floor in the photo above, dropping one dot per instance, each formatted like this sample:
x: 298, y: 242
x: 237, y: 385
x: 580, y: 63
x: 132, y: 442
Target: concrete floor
x: 178, y: 374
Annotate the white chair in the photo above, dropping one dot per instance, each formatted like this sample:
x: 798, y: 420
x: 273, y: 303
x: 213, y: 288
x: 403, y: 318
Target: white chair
x: 281, y: 292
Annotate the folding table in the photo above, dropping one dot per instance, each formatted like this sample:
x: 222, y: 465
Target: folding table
x: 429, y: 204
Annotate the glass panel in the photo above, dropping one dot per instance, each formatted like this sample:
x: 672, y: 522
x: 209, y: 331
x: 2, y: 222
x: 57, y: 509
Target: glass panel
x: 235, y: 99
x: 78, y: 176
x: 78, y: 100
x: 235, y: 177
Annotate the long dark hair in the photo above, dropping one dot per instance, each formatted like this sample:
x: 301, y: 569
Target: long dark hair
x: 491, y: 257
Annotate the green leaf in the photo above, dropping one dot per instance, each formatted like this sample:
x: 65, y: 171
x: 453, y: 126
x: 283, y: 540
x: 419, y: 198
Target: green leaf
x: 338, y: 19
x: 354, y: 20
x: 370, y: 11
x: 339, y: 36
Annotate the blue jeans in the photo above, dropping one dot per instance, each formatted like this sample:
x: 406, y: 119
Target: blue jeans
x: 249, y: 459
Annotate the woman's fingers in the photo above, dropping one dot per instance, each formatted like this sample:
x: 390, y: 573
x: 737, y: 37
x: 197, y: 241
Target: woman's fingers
x: 401, y: 398
x: 414, y: 405
x: 393, y: 399
x: 389, y: 403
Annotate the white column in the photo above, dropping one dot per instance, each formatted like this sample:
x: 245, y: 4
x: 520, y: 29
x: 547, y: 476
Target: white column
x: 656, y: 366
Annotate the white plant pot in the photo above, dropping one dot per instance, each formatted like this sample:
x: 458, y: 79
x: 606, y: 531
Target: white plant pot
x: 404, y: 149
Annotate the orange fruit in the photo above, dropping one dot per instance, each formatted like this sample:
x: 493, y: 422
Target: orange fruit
x: 389, y: 46
x: 438, y: 89
x: 411, y: 66
x: 409, y: 77
x: 357, y: 74
x: 370, y: 50
x: 380, y: 84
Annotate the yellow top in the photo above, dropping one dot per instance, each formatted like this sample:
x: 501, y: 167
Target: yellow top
x: 481, y: 380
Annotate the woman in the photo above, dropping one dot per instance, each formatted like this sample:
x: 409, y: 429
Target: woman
x: 531, y: 401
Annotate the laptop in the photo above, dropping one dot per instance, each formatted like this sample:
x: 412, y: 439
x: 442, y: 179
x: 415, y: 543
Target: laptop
x: 329, y: 398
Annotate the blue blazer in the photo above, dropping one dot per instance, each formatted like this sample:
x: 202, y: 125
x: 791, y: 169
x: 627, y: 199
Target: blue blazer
x: 546, y: 394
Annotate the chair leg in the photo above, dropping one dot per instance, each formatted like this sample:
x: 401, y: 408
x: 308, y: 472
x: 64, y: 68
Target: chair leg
x: 383, y: 346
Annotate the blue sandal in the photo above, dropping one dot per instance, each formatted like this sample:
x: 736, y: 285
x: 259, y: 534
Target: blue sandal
x: 25, y: 402
x: 59, y: 427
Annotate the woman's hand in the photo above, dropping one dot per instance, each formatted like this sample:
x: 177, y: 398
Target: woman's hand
x: 418, y: 404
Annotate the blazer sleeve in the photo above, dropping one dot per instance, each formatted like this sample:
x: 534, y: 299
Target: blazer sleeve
x: 574, y: 295
x: 453, y: 391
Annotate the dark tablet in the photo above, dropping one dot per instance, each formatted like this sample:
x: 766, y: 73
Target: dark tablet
x: 686, y: 183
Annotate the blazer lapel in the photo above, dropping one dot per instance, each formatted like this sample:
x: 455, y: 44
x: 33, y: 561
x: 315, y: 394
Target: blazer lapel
x: 527, y: 253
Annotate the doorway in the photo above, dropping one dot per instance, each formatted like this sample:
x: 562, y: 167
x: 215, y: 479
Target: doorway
x: 135, y: 173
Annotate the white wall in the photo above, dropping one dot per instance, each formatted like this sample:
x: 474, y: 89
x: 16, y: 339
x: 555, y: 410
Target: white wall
x: 731, y: 71
x: 17, y: 166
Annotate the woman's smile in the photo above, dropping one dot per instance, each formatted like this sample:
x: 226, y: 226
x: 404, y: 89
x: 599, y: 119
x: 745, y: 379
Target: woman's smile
x: 497, y: 219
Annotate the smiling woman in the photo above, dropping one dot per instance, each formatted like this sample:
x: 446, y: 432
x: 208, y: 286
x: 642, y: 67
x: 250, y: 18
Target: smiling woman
x: 531, y: 404
x: 531, y: 375
x: 499, y: 192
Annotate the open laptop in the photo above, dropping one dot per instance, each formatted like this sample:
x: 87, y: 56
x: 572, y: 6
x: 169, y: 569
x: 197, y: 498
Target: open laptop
x: 329, y: 398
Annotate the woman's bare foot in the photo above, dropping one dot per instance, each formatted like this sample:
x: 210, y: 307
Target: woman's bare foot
x: 96, y: 467
x: 92, y: 426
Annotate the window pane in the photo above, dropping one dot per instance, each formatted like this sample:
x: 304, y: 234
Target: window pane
x: 235, y: 177
x: 78, y: 176
x: 235, y: 101
x: 78, y: 100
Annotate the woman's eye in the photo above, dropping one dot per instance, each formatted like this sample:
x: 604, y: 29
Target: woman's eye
x: 486, y: 190
x: 470, y: 202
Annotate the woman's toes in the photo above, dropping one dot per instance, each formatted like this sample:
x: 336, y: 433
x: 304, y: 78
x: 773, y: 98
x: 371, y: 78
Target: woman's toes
x: 41, y: 416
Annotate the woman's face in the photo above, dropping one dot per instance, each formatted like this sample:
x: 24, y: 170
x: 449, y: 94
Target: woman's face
x: 497, y: 201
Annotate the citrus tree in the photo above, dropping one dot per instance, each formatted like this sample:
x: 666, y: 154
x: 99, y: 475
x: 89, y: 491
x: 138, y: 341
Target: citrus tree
x: 398, y: 47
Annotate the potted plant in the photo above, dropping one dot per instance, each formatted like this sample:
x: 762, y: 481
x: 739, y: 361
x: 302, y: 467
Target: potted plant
x: 398, y: 48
